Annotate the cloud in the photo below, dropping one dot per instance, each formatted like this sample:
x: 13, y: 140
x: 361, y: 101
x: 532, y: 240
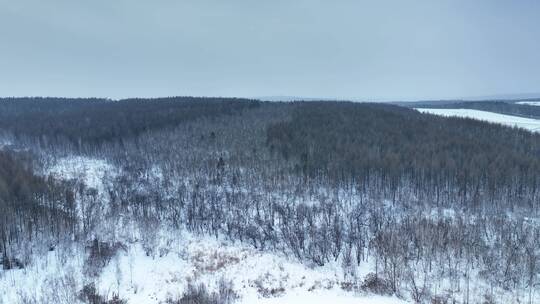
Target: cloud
x: 365, y: 49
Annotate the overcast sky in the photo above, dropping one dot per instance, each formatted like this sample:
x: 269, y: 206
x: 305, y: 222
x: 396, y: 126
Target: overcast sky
x: 335, y: 48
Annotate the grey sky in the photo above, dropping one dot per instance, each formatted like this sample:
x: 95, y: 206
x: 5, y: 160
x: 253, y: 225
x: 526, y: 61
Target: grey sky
x: 346, y: 49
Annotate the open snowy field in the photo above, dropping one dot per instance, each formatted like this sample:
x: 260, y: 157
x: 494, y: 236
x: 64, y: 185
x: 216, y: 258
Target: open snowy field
x: 530, y: 103
x: 521, y: 122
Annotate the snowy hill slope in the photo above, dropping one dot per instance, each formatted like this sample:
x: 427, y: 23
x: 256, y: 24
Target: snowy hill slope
x: 257, y: 277
x: 509, y: 120
x: 177, y: 259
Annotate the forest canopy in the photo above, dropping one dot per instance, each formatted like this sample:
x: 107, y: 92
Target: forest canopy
x: 358, y: 141
x: 94, y: 121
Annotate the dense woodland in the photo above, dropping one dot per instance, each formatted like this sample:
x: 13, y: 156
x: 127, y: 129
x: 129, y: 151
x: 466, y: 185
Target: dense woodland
x: 90, y: 122
x: 430, y: 199
x: 438, y: 159
x: 33, y: 208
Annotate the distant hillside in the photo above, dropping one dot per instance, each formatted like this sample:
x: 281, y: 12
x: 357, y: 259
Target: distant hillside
x: 94, y: 121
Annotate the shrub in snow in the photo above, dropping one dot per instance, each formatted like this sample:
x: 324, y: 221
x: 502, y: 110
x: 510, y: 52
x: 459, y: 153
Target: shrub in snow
x: 226, y: 291
x: 26, y: 298
x: 269, y: 286
x: 445, y: 299
x: 348, y: 265
x: 11, y: 263
x: 90, y: 295
x: 488, y: 299
x: 100, y: 254
x: 374, y: 284
x: 213, y: 260
x: 200, y: 295
x: 59, y: 290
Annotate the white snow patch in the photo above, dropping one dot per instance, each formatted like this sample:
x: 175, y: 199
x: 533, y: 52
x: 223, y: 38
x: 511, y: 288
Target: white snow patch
x: 530, y: 103
x: 509, y: 120
x: 327, y: 296
x: 4, y: 142
x: 91, y: 171
x: 180, y: 258
x: 39, y: 278
x: 257, y: 277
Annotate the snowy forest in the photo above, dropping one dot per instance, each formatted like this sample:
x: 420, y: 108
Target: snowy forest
x: 394, y: 204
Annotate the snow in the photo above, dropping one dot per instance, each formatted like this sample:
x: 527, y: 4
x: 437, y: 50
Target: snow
x: 509, y: 120
x: 530, y: 103
x: 91, y: 171
x: 37, y: 278
x: 7, y: 143
x: 4, y: 143
x: 320, y: 297
x: 257, y: 276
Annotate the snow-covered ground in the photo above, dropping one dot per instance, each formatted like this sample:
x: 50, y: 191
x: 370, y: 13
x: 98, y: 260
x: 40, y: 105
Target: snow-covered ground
x: 257, y: 277
x: 530, y: 103
x: 6, y: 142
x: 91, y: 171
x: 324, y: 297
x: 521, y: 122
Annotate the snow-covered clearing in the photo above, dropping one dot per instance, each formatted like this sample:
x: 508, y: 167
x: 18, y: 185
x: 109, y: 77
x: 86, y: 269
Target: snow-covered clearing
x: 91, y: 171
x: 509, y: 120
x: 257, y: 277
